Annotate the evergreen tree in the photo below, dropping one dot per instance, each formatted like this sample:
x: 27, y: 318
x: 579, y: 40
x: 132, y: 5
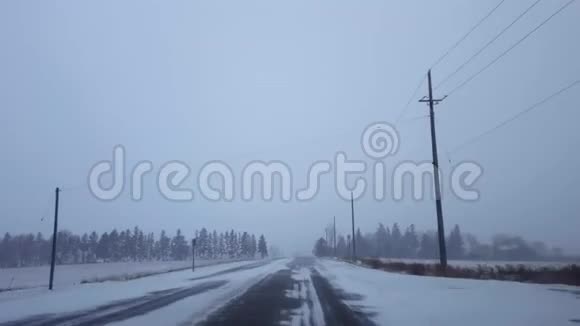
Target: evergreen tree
x: 382, y: 241
x: 396, y: 238
x: 253, y: 247
x: 341, y: 247
x: 203, y: 243
x: 362, y: 247
x: 245, y: 245
x: 114, y: 248
x: 262, y: 247
x: 179, y: 247
x: 41, y: 250
x: 222, y: 245
x: 122, y: 245
x: 428, y: 248
x: 164, y: 246
x: 321, y: 248
x: 410, y: 243
x: 93, y: 244
x: 455, y: 244
x: 210, y: 249
x: 84, y: 247
x: 103, y: 248
x: 231, y: 244
x: 215, y: 245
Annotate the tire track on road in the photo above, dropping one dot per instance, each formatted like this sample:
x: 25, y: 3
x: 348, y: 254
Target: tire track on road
x: 287, y: 297
x: 231, y: 270
x: 120, y: 310
x: 336, y: 312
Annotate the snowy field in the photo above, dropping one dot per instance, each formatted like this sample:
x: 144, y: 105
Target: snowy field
x: 399, y: 299
x: 66, y: 275
x: 475, y: 263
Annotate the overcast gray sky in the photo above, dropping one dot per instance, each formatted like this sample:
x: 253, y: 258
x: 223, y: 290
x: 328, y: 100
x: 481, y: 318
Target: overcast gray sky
x: 294, y: 81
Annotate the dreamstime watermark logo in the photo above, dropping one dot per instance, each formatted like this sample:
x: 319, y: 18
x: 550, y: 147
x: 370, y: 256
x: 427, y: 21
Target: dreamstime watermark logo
x: 217, y: 181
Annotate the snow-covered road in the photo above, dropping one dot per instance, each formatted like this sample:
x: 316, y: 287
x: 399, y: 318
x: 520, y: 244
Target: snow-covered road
x: 166, y: 299
x: 301, y: 291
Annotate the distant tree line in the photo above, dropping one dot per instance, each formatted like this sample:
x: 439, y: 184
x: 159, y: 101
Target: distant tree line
x: 128, y: 245
x: 395, y: 243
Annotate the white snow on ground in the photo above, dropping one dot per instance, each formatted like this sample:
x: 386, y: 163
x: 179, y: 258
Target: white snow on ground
x: 400, y: 299
x: 304, y: 291
x: 66, y: 275
x: 197, y: 308
x: 21, y: 304
x: 475, y: 263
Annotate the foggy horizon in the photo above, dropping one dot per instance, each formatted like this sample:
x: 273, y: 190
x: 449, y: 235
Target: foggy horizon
x: 293, y: 82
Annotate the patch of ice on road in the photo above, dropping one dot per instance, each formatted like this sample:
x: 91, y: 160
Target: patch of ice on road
x: 400, y: 299
x: 310, y: 311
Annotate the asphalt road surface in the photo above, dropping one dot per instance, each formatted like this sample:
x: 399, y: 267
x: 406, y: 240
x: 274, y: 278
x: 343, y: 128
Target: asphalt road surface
x: 267, y: 302
x: 294, y: 295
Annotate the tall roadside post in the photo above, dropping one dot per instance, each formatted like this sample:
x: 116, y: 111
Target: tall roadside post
x: 54, y: 232
x: 353, y: 236
x: 193, y: 254
x: 440, y: 225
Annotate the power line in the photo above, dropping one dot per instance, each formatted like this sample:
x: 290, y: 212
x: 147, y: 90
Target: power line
x: 444, y: 145
x: 417, y: 118
x: 46, y: 210
x: 516, y: 116
x: 404, y: 109
x: 446, y: 78
x: 510, y: 48
x: 456, y: 44
x: 453, y: 47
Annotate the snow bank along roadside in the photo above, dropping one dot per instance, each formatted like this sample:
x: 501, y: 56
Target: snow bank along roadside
x: 20, y: 304
x: 558, y: 274
x: 475, y: 263
x: 31, y: 277
x: 133, y: 276
x: 400, y: 299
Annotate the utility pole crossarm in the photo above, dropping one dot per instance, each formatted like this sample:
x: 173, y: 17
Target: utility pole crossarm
x: 425, y: 99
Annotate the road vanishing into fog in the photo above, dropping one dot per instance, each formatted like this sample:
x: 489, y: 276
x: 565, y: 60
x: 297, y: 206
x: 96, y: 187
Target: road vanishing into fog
x: 273, y: 292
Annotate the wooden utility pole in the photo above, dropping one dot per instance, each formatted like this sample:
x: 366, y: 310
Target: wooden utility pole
x: 193, y: 254
x: 334, y: 235
x: 54, y: 232
x: 353, y: 237
x: 440, y: 225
